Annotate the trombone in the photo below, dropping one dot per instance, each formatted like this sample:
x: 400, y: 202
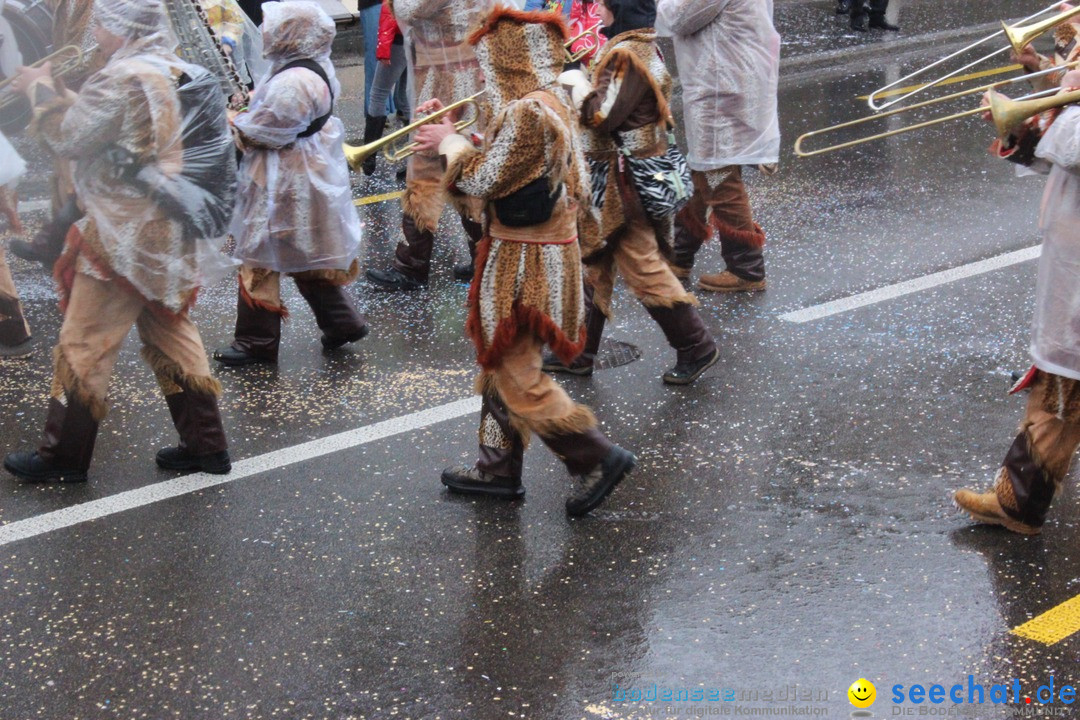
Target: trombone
x: 574, y: 57
x: 67, y: 59
x: 992, y: 87
x: 1018, y: 36
x: 356, y: 154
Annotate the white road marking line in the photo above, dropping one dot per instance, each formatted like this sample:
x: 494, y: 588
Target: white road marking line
x: 889, y: 292
x: 131, y: 499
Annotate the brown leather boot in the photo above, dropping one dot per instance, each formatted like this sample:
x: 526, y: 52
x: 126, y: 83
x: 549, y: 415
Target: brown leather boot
x: 334, y: 312
x: 412, y: 260
x: 14, y: 333
x: 66, y: 449
x: 695, y: 349
x: 498, y: 470
x: 257, y: 336
x: 474, y: 231
x: 685, y: 246
x: 583, y: 364
x: 202, y: 445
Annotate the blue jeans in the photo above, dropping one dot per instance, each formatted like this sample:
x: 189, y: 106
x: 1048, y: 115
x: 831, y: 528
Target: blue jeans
x: 386, y: 77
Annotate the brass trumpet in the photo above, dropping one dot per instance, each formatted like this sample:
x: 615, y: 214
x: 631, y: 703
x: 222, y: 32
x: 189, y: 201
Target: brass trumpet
x: 574, y: 57
x: 356, y: 154
x: 928, y: 123
x: 66, y: 60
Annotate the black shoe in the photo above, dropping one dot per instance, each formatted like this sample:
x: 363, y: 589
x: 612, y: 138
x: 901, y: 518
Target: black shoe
x: 175, y: 458
x: 32, y: 251
x: 393, y: 279
x: 843, y: 7
x: 600, y: 481
x: 333, y: 343
x: 686, y: 373
x: 860, y: 23
x: 29, y: 467
x: 233, y: 357
x: 552, y: 363
x: 402, y: 172
x: 26, y: 347
x: 473, y: 481
x: 464, y: 272
x: 883, y: 24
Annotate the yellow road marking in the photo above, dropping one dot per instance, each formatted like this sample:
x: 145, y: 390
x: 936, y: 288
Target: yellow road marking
x: 372, y: 199
x: 950, y: 81
x: 1054, y: 625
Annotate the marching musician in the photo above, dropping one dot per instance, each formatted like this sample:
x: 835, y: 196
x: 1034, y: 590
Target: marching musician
x: 294, y: 211
x: 149, y: 139
x: 72, y: 25
x: 530, y: 173
x: 14, y: 332
x: 1049, y: 433
x: 628, y: 113
x: 442, y: 65
x: 728, y: 55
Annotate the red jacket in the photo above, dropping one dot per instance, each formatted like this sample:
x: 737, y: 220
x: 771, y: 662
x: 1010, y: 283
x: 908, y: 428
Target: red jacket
x: 388, y: 31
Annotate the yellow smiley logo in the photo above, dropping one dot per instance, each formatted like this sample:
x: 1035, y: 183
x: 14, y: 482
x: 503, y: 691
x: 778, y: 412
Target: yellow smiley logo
x: 862, y: 693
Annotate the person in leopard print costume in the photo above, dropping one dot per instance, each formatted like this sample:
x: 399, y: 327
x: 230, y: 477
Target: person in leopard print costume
x: 531, y: 177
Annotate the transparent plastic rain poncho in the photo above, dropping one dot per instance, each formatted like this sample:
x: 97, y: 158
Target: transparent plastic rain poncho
x: 294, y: 206
x: 442, y: 63
x: 236, y: 30
x: 10, y: 57
x: 12, y: 166
x: 728, y: 54
x: 154, y: 168
x: 1055, y: 337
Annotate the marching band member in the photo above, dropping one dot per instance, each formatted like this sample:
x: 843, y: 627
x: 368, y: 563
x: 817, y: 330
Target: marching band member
x: 149, y: 138
x: 628, y: 113
x: 531, y: 175
x: 294, y: 210
x: 72, y: 25
x: 14, y: 332
x: 1039, y: 458
x: 442, y: 65
x: 728, y: 55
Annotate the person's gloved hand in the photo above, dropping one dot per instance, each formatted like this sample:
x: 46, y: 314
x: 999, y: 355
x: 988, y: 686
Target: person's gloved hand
x: 578, y: 85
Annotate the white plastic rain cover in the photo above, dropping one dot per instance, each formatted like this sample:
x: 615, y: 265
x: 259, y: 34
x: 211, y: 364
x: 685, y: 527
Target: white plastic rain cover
x: 728, y: 54
x: 1055, y: 337
x: 295, y: 209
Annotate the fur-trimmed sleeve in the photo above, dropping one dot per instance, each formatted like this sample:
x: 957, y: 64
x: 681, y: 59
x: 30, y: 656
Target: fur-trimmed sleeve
x: 621, y: 91
x: 525, y: 142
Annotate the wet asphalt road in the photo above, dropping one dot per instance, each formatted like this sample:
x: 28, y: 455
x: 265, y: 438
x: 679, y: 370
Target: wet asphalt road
x: 790, y: 520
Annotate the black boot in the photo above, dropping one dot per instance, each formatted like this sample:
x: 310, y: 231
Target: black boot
x: 598, y: 483
x: 412, y: 260
x: 373, y: 130
x: 695, y: 349
x: 48, y: 244
x: 202, y: 438
x: 334, y: 313
x: 860, y: 20
x: 584, y: 364
x: 878, y: 22
x: 66, y: 449
x: 257, y: 336
x: 497, y: 472
x: 599, y: 464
